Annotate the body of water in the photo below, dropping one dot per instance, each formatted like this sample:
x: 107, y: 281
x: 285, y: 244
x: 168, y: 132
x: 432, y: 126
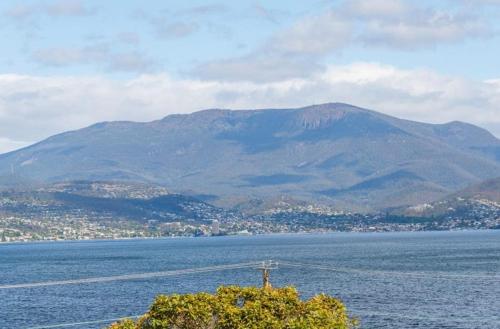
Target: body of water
x: 387, y: 280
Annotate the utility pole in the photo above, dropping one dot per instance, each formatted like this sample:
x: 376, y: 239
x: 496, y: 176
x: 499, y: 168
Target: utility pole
x: 266, y: 268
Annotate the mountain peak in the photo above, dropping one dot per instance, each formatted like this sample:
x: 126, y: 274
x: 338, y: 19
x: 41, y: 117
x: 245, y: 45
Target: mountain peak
x: 320, y: 109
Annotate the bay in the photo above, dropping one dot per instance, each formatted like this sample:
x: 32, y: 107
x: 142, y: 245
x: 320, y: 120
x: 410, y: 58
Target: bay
x: 387, y: 280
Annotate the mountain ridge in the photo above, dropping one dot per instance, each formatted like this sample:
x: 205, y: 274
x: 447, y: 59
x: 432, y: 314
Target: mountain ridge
x: 330, y: 153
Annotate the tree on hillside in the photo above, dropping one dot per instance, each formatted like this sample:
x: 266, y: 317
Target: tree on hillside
x: 233, y: 307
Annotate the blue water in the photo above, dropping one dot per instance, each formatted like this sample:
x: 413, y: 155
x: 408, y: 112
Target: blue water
x: 392, y: 280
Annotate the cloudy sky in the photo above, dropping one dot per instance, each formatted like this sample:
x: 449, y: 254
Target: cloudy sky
x: 65, y: 64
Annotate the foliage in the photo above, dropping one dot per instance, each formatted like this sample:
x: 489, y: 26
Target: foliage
x: 234, y: 307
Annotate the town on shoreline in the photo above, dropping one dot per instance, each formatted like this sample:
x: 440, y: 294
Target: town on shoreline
x: 26, y: 230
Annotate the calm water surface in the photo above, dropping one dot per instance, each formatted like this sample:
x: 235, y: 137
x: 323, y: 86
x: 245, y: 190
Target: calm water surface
x: 392, y: 280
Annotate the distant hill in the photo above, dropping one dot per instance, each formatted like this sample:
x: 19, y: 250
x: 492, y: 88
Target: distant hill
x: 478, y: 201
x: 334, y: 154
x: 112, y: 190
x: 101, y: 201
x: 488, y: 190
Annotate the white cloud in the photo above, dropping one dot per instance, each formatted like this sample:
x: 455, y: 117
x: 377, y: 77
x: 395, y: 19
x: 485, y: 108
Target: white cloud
x: 314, y: 35
x: 292, y: 53
x: 298, y: 50
x: 406, y: 25
x: 32, y: 108
x: 421, y: 29
x: 376, y: 8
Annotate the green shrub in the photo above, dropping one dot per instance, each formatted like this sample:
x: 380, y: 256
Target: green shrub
x: 234, y: 307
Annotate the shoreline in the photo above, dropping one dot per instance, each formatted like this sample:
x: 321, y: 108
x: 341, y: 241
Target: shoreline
x: 243, y: 236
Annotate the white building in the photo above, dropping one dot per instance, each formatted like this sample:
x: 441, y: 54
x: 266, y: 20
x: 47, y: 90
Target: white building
x: 215, y: 227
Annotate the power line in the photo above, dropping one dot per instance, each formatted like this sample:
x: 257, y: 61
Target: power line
x: 423, y: 317
x: 73, y: 324
x: 442, y: 276
x: 265, y: 266
x: 149, y: 275
x: 136, y: 276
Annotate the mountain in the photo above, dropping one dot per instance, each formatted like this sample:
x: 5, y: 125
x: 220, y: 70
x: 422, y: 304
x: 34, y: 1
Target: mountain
x: 486, y: 190
x: 108, y: 190
x: 476, y: 205
x: 334, y: 154
x: 104, y: 201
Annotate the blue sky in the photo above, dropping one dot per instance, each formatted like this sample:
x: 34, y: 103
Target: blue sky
x: 171, y: 36
x: 68, y: 63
